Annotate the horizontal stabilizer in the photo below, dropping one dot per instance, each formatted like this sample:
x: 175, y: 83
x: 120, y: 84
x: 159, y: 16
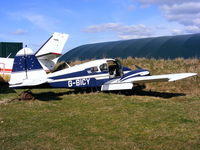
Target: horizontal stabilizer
x: 53, y: 47
x: 27, y: 71
x: 49, y: 56
x: 49, y: 53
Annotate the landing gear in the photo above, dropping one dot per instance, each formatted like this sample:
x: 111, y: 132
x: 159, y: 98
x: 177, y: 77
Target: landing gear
x: 138, y: 87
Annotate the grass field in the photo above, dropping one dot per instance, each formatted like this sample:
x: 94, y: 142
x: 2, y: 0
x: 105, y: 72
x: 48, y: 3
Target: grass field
x: 164, y: 116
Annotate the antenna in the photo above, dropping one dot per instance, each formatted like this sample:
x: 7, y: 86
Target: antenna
x: 8, y: 55
x: 138, y: 67
x: 25, y: 64
x: 67, y: 63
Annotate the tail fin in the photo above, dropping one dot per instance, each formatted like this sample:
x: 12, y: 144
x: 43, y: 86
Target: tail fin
x: 27, y: 71
x: 51, y: 49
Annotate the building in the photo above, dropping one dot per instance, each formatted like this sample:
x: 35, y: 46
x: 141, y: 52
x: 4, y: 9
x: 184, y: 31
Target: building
x: 185, y: 46
x: 9, y: 49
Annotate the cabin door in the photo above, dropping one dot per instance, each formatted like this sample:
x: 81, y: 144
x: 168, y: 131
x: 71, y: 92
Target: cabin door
x: 115, y: 69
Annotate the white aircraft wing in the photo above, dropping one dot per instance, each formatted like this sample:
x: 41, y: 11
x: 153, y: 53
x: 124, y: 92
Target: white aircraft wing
x: 117, y: 84
x: 160, y: 78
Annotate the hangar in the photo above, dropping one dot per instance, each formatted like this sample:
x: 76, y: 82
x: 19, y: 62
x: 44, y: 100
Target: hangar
x: 167, y: 47
x: 10, y: 48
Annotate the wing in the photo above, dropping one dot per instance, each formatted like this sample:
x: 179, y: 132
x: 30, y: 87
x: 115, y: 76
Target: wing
x: 117, y: 84
x: 160, y: 78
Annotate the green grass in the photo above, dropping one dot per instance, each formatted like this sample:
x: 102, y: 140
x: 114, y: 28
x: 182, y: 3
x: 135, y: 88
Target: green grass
x: 164, y: 116
x: 100, y: 121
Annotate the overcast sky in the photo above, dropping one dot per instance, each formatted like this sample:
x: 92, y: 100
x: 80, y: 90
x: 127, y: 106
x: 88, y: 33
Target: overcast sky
x: 92, y: 21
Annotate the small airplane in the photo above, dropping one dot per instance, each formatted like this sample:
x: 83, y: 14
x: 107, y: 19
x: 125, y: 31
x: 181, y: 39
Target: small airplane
x: 47, y: 55
x: 108, y: 74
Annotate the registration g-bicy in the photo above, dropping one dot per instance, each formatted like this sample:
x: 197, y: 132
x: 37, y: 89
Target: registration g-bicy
x: 79, y: 82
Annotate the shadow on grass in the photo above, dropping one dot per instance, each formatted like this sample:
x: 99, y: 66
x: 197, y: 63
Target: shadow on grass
x: 149, y: 93
x: 4, y: 89
x: 56, y: 96
x: 49, y: 96
x: 52, y: 96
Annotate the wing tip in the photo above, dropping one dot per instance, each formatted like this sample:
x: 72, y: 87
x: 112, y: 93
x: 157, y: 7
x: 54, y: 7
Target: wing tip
x: 182, y: 76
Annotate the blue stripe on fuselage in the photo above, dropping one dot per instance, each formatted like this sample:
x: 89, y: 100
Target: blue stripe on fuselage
x: 79, y: 83
x: 126, y: 69
x: 133, y: 72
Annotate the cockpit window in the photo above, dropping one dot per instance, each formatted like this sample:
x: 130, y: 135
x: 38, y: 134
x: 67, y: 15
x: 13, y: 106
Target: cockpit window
x: 103, y: 67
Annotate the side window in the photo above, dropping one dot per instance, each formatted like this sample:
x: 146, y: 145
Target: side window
x: 93, y: 70
x: 103, y: 67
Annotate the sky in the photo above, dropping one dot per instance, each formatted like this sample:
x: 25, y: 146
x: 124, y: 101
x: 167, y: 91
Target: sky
x: 93, y: 21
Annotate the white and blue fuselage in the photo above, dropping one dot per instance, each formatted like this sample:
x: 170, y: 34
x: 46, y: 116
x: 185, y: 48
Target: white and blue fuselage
x: 108, y: 74
x: 93, y: 74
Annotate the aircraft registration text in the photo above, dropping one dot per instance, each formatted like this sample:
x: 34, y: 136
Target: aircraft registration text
x: 79, y: 82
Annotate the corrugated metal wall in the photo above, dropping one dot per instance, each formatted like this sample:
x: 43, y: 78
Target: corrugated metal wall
x: 7, y: 48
